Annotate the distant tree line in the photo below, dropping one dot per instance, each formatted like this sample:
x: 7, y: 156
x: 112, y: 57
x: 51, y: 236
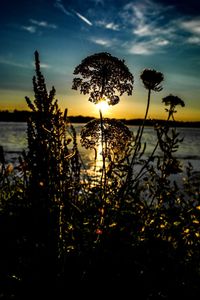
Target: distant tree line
x: 24, y: 115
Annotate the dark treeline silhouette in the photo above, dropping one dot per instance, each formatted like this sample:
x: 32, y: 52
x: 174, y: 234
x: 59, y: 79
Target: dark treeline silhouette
x: 23, y: 115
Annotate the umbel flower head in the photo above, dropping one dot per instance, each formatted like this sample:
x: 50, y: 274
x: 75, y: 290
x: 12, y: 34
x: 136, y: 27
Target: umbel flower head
x: 116, y: 134
x: 152, y: 79
x: 103, y: 76
x: 173, y: 101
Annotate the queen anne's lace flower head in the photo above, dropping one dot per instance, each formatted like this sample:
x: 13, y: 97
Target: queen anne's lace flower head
x: 116, y: 134
x: 103, y: 76
x: 152, y: 79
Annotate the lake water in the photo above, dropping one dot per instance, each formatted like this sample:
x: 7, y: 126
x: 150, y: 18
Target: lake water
x: 13, y: 139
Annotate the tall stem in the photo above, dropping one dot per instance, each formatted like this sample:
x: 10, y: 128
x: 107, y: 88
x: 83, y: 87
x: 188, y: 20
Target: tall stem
x: 103, y: 174
x: 146, y: 113
x: 138, y: 142
x: 141, y: 129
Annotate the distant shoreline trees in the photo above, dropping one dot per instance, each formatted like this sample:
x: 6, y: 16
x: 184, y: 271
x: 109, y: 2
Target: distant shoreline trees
x: 23, y: 115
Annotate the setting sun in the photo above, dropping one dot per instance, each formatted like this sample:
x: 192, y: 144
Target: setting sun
x: 103, y: 106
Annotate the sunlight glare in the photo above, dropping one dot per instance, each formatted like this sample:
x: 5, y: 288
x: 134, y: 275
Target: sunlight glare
x: 103, y: 105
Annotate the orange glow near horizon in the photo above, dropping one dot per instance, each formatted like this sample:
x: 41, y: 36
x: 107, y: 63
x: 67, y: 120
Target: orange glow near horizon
x: 127, y: 108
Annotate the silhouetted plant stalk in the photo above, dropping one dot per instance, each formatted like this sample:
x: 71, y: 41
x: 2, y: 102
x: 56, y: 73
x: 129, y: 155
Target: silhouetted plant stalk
x: 172, y: 101
x: 151, y: 80
x: 54, y: 170
x: 103, y: 76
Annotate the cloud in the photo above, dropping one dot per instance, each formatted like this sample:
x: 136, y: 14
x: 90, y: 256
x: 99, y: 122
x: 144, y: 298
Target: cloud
x: 143, y: 30
x: 31, y: 29
x: 192, y: 26
x: 147, y: 47
x: 161, y: 42
x: 42, y: 65
x: 45, y: 66
x: 43, y: 24
x: 108, y: 25
x: 146, y: 18
x: 152, y: 27
x: 59, y: 5
x: 36, y: 25
x: 194, y: 40
x: 140, y: 48
x: 9, y: 62
x: 102, y: 42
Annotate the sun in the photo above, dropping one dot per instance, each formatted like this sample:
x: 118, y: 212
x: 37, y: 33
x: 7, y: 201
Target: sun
x: 103, y: 106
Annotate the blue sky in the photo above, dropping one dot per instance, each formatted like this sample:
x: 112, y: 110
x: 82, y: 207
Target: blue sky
x: 163, y: 35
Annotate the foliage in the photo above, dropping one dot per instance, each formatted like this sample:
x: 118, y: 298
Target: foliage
x: 131, y: 221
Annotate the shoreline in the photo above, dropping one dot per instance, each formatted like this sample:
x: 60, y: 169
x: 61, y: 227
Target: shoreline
x: 22, y: 116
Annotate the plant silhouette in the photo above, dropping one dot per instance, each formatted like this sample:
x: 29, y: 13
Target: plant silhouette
x: 172, y: 101
x: 103, y: 76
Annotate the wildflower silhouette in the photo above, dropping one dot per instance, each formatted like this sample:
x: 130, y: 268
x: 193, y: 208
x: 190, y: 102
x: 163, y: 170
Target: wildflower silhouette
x: 103, y: 76
x: 116, y: 134
x: 172, y: 101
x: 151, y: 80
x: 117, y: 138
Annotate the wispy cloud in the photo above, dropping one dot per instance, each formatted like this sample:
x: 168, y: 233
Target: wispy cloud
x: 43, y: 24
x: 31, y: 29
x: 37, y: 25
x: 192, y: 26
x: 7, y: 61
x: 42, y: 65
x: 194, y: 40
x: 108, y: 25
x: 146, y: 18
x: 150, y: 25
x: 101, y: 41
x: 147, y: 47
x: 11, y: 62
x: 71, y: 12
x: 60, y: 5
x: 140, y: 48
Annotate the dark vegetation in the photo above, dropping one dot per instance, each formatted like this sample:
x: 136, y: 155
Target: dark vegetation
x: 126, y: 228
x: 24, y: 115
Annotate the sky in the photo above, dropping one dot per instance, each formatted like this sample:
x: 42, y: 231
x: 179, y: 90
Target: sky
x: 157, y: 34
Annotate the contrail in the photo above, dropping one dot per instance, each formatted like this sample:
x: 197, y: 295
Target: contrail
x: 70, y: 12
x: 83, y: 18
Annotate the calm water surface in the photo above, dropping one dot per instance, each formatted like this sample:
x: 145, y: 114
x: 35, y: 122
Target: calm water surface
x: 13, y: 139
